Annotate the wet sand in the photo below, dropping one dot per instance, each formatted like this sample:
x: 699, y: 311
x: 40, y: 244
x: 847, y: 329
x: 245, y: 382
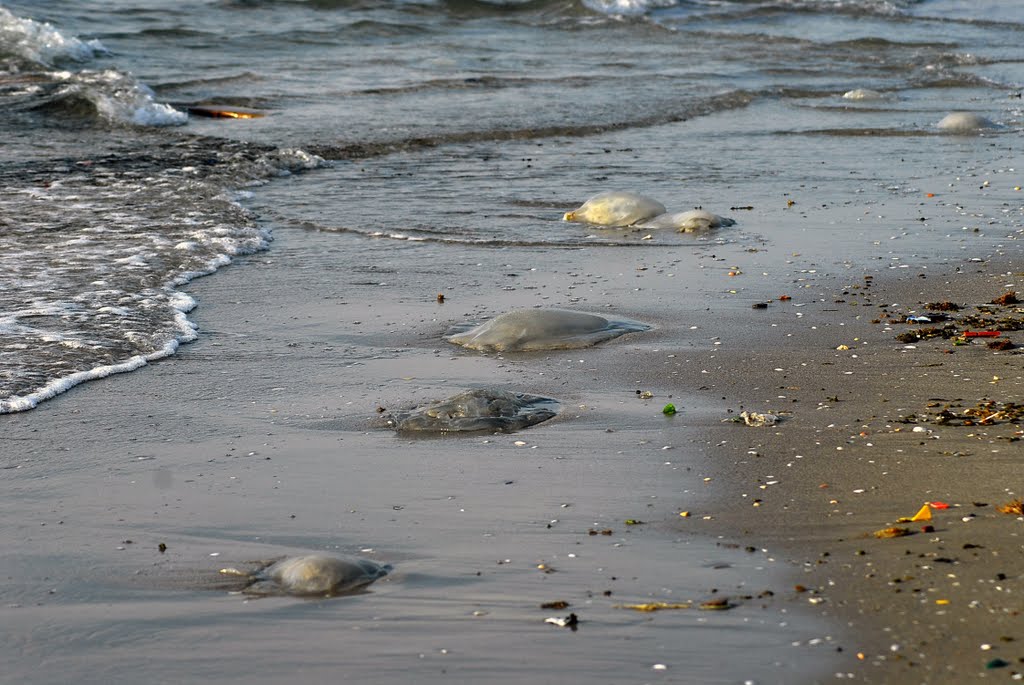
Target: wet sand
x: 263, y: 439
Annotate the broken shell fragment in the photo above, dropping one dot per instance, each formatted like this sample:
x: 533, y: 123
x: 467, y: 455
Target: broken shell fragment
x: 753, y: 418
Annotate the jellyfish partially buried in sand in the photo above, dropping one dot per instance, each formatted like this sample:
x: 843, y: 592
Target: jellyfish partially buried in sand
x: 310, y: 575
x: 530, y: 330
x: 477, y: 410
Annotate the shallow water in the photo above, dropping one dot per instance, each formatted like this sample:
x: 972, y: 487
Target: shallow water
x: 437, y: 134
x: 408, y: 150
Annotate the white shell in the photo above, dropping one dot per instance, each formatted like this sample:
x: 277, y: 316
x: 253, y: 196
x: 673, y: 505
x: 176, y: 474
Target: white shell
x: 616, y: 208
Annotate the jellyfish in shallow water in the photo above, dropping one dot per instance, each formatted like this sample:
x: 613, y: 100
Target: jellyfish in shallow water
x: 312, y: 575
x: 527, y: 330
x: 616, y: 208
x: 687, y: 222
x: 863, y: 94
x: 965, y: 122
x: 478, y: 410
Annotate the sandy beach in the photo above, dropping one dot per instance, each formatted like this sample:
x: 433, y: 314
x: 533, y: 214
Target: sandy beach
x: 266, y: 437
x: 211, y: 325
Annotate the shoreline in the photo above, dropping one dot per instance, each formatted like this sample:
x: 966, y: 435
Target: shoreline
x: 259, y: 438
x: 849, y: 458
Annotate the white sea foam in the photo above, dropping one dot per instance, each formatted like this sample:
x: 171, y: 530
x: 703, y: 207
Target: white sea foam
x: 40, y: 42
x: 181, y: 302
x: 120, y: 98
x: 627, y: 7
x: 54, y: 388
x: 103, y: 292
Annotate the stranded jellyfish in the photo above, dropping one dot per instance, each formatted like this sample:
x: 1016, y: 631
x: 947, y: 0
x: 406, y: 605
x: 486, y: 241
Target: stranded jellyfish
x: 311, y: 575
x: 687, y: 222
x: 478, y: 410
x: 616, y: 208
x: 965, y: 122
x: 528, y: 330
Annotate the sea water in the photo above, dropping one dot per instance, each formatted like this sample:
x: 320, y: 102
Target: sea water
x: 451, y: 121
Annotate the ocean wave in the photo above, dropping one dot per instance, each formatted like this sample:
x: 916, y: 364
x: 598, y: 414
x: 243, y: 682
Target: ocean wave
x: 107, y: 97
x: 30, y: 51
x: 92, y: 255
x: 41, y: 43
x: 628, y: 7
x: 675, y: 112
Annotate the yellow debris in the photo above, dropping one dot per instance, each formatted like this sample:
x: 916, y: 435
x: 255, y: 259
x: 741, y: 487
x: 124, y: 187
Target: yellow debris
x: 923, y: 514
x: 654, y: 606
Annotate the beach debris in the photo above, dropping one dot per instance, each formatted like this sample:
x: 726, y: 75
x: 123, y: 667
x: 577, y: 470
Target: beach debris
x: 894, y: 532
x: 655, y: 606
x: 669, y: 409
x: 981, y: 334
x: 923, y: 514
x: 616, y: 208
x: 757, y: 420
x: 997, y: 663
x: 718, y: 604
x: 1007, y: 298
x: 605, y: 531
x: 162, y: 547
x: 219, y: 112
x: 440, y: 298
x: 570, y: 621
x: 483, y: 409
x: 938, y: 505
x: 558, y: 604
x: 759, y: 305
x: 942, y: 306
x: 1000, y: 345
x: 311, y: 575
x: 528, y: 330
x: 918, y: 334
x: 634, y: 522
x: 984, y: 413
x: 1013, y: 507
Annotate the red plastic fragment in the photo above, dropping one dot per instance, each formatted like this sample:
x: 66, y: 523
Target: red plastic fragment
x: 981, y: 334
x: 938, y: 505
